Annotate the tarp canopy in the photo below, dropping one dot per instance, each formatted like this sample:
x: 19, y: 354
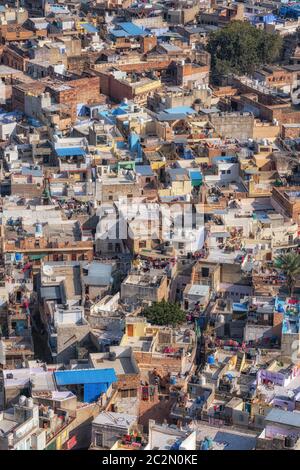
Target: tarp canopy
x: 37, y: 257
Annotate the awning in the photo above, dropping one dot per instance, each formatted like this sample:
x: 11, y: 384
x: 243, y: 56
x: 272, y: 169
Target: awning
x: 37, y: 257
x: 71, y: 443
x: 220, y: 234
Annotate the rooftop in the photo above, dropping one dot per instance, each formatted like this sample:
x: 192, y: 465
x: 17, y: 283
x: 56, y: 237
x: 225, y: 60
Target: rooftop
x: 121, y: 420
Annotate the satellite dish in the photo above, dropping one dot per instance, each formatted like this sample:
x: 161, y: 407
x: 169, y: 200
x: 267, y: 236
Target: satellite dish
x: 47, y: 270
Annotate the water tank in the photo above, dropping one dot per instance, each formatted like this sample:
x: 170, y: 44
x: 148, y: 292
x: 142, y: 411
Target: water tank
x: 47, y: 270
x: 290, y: 442
x: 173, y: 380
x: 29, y: 402
x: 18, y: 256
x: 112, y: 356
x: 22, y: 400
x: 10, y: 439
x: 50, y: 413
x: 211, y: 359
x: 202, y: 380
x: 38, y: 229
x: 221, y: 319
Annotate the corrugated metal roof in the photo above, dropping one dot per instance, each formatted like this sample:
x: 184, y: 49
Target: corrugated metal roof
x: 131, y: 29
x: 70, y: 151
x: 85, y: 376
x: 119, y: 33
x: 89, y: 28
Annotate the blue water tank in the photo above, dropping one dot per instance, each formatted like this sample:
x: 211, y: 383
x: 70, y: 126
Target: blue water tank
x: 205, y: 445
x: 18, y: 256
x: 210, y: 360
x: 172, y: 380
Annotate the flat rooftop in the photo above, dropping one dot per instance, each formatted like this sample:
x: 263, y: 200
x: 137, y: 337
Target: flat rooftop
x: 227, y: 439
x: 122, y: 365
x: 115, y: 419
x: 146, y: 280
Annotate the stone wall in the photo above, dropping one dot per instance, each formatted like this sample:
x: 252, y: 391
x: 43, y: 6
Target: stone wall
x: 234, y: 126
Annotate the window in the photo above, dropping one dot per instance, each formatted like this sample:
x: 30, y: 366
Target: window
x: 129, y: 393
x: 180, y: 245
x: 142, y: 244
x: 110, y: 247
x: 228, y: 172
x: 204, y: 272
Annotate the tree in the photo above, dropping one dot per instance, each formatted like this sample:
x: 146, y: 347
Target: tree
x: 240, y: 48
x: 164, y: 313
x: 289, y: 264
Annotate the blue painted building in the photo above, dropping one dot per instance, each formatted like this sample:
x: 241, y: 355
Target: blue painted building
x: 94, y: 382
x: 291, y: 10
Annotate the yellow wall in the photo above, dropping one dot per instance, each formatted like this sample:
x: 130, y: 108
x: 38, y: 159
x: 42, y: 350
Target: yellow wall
x: 147, y: 87
x: 157, y: 165
x: 181, y: 187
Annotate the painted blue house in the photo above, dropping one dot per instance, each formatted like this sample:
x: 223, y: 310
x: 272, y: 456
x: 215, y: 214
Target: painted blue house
x: 94, y: 382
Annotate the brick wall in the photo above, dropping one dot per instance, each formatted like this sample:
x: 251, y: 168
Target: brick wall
x: 290, y: 132
x: 85, y: 90
x: 165, y: 363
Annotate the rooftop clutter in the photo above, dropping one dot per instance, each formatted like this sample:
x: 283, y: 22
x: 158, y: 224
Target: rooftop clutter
x: 149, y: 215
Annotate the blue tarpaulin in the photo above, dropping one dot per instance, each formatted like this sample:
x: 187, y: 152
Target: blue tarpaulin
x: 240, y: 307
x: 85, y: 376
x: 70, y: 152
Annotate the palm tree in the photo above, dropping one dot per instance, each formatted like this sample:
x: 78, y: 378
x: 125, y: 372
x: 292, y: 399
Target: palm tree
x: 289, y: 264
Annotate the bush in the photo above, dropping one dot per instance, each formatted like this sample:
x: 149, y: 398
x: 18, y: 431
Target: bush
x: 164, y: 313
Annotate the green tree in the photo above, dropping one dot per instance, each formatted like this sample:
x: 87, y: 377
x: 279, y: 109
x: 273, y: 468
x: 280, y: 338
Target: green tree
x: 289, y: 265
x: 240, y: 48
x: 164, y: 313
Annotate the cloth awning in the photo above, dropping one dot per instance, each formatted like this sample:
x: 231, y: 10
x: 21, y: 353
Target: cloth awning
x: 37, y: 256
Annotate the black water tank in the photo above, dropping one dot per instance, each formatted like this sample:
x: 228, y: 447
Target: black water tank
x: 290, y: 442
x: 112, y: 356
